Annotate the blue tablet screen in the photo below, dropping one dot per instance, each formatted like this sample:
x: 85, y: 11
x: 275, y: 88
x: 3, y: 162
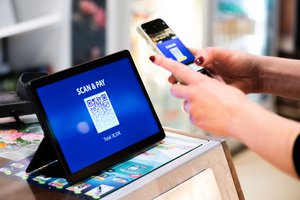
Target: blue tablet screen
x: 97, y: 113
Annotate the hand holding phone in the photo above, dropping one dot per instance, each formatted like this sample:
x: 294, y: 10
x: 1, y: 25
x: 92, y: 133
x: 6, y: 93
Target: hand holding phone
x: 164, y: 41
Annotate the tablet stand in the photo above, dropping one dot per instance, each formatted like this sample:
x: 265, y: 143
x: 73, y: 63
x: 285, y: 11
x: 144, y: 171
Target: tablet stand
x: 45, y: 160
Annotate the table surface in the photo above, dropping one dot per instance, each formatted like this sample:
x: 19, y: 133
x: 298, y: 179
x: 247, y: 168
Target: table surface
x: 21, y: 189
x: 18, y: 189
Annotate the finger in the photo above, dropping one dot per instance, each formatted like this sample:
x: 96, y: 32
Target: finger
x: 204, y: 56
x: 192, y: 119
x: 180, y: 91
x: 172, y: 79
x: 180, y: 71
x: 201, y: 52
x: 186, y: 106
x: 212, y: 54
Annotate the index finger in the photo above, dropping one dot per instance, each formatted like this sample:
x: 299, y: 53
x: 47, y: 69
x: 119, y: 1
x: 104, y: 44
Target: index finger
x: 180, y: 71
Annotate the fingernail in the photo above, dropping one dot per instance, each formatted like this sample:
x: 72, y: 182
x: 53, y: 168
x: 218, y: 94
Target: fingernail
x: 152, y: 58
x: 199, y: 60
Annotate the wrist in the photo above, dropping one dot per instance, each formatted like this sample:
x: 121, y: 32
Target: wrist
x: 269, y: 74
x: 263, y: 75
x: 279, y: 76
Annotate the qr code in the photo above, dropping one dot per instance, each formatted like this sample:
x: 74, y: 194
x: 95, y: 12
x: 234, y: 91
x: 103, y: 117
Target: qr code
x: 101, y: 111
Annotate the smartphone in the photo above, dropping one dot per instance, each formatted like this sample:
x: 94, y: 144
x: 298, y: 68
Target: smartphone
x: 163, y: 40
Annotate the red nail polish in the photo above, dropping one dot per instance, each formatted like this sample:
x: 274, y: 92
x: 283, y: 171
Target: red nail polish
x: 152, y: 58
x: 199, y: 60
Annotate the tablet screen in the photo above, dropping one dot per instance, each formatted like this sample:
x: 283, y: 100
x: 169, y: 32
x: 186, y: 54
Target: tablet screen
x: 97, y: 111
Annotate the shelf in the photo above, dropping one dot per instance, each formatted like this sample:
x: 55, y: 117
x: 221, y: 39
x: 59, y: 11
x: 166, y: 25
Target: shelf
x: 29, y: 25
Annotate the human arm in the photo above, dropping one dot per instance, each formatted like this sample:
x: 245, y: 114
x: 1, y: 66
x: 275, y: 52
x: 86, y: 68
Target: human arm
x: 253, y: 73
x: 224, y: 110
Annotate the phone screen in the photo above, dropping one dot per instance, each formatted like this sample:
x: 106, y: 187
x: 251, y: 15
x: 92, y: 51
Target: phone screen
x: 167, y: 41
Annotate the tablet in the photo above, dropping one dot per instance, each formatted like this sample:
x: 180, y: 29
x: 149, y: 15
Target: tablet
x: 95, y: 114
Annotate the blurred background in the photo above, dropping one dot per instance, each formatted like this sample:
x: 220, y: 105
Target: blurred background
x: 49, y: 36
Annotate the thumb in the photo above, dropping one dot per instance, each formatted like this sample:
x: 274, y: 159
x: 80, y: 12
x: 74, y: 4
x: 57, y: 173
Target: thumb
x: 210, y: 55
